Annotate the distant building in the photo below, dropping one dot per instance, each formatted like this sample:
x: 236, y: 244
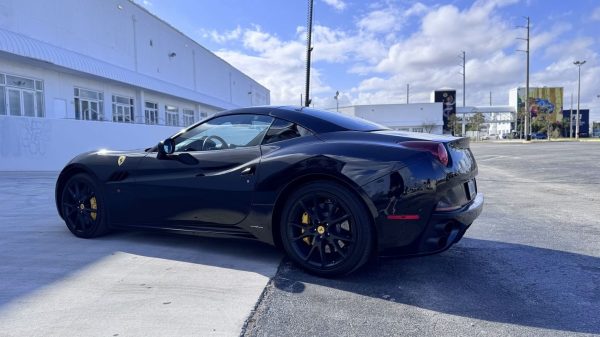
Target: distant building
x: 414, y: 117
x: 542, y: 101
x: 102, y: 61
x: 498, y: 119
x: 448, y: 99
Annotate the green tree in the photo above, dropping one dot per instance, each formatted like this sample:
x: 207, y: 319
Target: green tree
x: 455, y: 124
x: 475, y: 122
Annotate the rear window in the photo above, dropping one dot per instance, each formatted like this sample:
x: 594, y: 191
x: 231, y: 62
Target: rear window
x: 345, y: 121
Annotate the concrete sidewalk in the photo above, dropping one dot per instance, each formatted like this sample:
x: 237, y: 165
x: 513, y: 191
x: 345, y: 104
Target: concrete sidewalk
x: 123, y: 284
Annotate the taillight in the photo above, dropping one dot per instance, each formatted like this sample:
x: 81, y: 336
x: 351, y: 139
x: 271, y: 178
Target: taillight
x: 438, y: 150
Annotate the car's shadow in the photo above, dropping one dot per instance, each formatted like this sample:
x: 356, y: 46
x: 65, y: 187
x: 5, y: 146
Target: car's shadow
x: 487, y: 280
x: 36, y: 259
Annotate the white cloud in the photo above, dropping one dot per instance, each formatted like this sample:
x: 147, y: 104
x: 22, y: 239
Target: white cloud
x: 222, y: 37
x: 379, y: 21
x: 375, y: 51
x: 147, y: 3
x: 278, y: 65
x: 339, y: 5
x: 596, y: 14
x: 416, y: 9
x: 540, y: 40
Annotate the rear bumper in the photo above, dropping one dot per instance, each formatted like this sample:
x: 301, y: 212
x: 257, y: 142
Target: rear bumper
x: 442, y: 230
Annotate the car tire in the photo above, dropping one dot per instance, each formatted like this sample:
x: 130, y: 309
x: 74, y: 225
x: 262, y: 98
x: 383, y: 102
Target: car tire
x: 326, y: 229
x: 83, y: 208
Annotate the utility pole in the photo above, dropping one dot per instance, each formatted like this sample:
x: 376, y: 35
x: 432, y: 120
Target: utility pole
x: 309, y: 49
x: 527, y: 119
x: 490, y: 98
x: 578, y: 64
x: 571, y: 118
x: 407, y: 92
x: 464, y: 62
x: 337, y: 101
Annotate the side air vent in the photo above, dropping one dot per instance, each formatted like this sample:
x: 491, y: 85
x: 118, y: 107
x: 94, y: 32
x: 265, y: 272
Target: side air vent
x: 118, y: 176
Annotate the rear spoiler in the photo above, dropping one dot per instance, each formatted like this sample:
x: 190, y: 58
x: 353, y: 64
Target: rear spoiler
x: 461, y: 143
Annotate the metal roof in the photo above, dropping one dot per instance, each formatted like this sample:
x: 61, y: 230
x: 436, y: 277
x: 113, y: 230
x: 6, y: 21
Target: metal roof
x: 21, y: 45
x: 485, y: 109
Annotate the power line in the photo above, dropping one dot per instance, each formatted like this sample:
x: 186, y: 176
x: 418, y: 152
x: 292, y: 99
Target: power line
x: 527, y: 119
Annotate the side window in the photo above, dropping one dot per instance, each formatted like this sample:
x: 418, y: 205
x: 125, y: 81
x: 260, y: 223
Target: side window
x: 226, y: 132
x: 283, y: 130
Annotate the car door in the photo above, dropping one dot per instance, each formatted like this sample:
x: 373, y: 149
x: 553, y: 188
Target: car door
x: 208, y: 180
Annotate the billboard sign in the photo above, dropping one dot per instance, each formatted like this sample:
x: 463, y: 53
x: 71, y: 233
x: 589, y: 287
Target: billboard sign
x: 544, y: 103
x: 584, y: 122
x: 448, y: 99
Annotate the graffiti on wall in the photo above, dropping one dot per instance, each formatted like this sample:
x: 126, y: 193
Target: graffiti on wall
x: 24, y: 137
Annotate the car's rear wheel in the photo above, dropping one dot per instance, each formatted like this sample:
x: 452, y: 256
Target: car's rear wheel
x: 326, y: 229
x: 83, y: 207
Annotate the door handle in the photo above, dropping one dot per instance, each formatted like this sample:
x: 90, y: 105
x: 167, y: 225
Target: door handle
x: 248, y: 170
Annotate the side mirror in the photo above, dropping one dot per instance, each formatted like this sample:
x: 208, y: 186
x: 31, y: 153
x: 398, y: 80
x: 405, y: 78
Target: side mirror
x: 166, y: 147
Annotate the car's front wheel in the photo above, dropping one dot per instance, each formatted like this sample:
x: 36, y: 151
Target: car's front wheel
x: 326, y: 229
x: 83, y: 207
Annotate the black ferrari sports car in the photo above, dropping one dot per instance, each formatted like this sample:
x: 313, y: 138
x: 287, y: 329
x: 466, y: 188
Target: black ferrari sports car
x: 329, y: 189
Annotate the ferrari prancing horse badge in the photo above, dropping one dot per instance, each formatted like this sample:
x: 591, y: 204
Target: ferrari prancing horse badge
x: 121, y: 160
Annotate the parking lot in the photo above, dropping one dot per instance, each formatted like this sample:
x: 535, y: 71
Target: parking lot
x: 529, y: 266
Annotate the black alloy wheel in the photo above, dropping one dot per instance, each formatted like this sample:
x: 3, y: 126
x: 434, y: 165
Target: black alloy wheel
x: 83, y: 207
x: 325, y: 228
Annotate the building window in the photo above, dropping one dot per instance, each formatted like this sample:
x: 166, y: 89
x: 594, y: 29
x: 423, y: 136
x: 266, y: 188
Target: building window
x: 20, y: 96
x: 2, y: 95
x: 151, y: 113
x: 89, y: 104
x: 203, y: 114
x: 122, y: 109
x: 171, y: 115
x: 417, y: 129
x: 188, y: 117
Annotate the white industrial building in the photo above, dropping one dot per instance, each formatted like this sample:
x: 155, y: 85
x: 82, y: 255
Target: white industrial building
x: 498, y: 119
x: 414, y: 117
x: 81, y: 75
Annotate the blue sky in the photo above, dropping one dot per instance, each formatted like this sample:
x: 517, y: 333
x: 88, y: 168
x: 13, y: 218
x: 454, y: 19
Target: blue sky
x: 370, y: 50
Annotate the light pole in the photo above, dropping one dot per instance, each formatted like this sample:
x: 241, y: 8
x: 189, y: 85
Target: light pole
x: 337, y: 101
x: 578, y: 64
x: 463, y: 57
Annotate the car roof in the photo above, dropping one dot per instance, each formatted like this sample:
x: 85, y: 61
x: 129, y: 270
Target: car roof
x: 319, y: 121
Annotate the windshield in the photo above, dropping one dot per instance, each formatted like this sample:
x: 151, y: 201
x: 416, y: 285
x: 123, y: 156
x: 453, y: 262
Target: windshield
x: 224, y: 132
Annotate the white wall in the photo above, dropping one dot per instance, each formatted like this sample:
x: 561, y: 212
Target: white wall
x: 400, y: 116
x: 39, y: 144
x: 124, y: 34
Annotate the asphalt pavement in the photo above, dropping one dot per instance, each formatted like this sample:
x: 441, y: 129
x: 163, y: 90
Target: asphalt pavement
x: 529, y: 265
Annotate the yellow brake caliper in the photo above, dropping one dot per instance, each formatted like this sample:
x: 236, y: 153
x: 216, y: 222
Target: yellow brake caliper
x: 94, y: 206
x: 305, y: 221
